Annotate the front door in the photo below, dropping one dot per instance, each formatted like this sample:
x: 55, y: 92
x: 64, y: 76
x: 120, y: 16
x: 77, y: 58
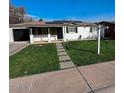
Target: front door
x: 59, y: 33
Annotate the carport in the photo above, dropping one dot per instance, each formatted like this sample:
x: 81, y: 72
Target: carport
x: 21, y: 35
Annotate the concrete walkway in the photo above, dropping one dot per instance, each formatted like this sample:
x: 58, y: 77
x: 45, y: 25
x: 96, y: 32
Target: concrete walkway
x: 65, y: 61
x: 97, y: 78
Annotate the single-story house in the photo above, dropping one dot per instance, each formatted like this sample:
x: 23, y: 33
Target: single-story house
x: 52, y: 31
x: 110, y: 31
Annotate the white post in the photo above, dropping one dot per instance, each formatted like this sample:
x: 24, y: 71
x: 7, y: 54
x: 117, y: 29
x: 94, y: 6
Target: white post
x: 49, y: 36
x: 98, y: 50
x: 31, y: 36
x: 11, y: 37
x: 56, y: 37
x: 64, y: 33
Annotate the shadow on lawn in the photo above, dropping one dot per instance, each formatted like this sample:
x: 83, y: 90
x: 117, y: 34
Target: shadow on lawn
x: 78, y: 49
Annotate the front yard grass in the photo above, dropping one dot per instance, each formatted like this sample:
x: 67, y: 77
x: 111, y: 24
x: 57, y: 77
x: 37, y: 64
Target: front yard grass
x: 85, y: 52
x: 33, y: 60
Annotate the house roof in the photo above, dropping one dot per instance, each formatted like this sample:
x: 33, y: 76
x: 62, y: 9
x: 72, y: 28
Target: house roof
x: 51, y: 24
x: 107, y: 22
x: 63, y: 22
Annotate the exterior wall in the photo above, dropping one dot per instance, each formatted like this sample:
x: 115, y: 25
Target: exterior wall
x: 53, y: 37
x: 94, y: 33
x: 84, y: 32
x: 11, y: 38
x: 40, y: 37
x: 44, y: 37
x: 71, y: 36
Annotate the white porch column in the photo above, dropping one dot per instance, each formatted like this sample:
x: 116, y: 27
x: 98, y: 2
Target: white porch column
x: 64, y: 33
x: 56, y: 37
x: 49, y: 36
x: 31, y: 36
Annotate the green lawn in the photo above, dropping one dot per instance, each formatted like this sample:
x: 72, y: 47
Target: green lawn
x: 33, y: 60
x: 85, y: 52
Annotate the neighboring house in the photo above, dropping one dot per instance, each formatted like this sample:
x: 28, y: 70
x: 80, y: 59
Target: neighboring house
x: 110, y: 31
x: 52, y: 31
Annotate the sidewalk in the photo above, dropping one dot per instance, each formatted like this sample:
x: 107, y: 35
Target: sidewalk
x: 109, y: 89
x: 75, y: 80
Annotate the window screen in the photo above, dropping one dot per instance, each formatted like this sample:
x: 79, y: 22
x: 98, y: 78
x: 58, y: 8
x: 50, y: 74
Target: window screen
x: 71, y: 29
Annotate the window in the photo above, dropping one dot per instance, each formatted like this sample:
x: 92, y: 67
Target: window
x: 91, y: 29
x: 71, y: 30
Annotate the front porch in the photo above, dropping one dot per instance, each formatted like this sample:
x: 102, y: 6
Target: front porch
x: 46, y: 34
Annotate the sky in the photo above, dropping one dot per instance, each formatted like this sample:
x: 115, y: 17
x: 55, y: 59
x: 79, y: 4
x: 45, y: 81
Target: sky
x: 82, y: 10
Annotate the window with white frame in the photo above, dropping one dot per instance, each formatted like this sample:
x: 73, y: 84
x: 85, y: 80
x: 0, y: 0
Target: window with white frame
x: 71, y: 29
x: 91, y: 29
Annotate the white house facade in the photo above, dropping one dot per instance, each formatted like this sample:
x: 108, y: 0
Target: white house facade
x: 39, y: 32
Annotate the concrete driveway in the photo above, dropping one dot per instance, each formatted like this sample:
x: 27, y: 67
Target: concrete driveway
x: 16, y: 47
x: 97, y: 78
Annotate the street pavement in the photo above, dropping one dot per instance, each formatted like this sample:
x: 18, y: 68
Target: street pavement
x: 96, y: 78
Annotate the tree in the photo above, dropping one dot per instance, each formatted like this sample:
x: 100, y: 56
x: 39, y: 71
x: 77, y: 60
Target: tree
x: 28, y: 18
x: 40, y: 20
x: 16, y: 15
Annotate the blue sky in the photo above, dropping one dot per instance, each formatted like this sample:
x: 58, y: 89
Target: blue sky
x: 84, y: 10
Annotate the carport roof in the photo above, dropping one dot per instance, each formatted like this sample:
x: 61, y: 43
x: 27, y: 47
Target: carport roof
x: 43, y: 24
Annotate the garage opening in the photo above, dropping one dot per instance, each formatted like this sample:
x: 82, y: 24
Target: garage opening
x: 21, y: 34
